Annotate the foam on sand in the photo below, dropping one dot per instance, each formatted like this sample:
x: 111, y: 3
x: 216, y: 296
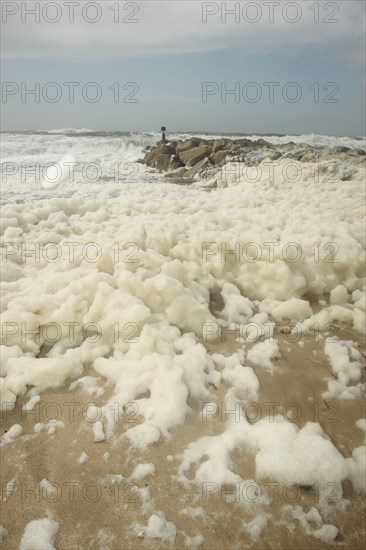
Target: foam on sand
x: 186, y: 243
x: 39, y: 534
x: 156, y: 271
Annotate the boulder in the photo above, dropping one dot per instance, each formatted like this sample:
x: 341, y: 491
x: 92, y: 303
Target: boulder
x: 150, y: 159
x: 166, y: 149
x: 197, y: 168
x: 219, y: 156
x: 273, y: 155
x: 175, y: 162
x: 262, y: 141
x: 220, y: 144
x: 163, y: 162
x: 192, y: 156
x: 185, y: 145
x: 243, y: 142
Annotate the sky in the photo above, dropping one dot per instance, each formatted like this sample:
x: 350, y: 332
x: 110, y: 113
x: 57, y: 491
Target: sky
x: 239, y: 66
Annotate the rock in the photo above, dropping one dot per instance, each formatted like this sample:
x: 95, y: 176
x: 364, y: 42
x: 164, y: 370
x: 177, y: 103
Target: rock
x: 175, y: 162
x: 205, y: 157
x: 243, y: 143
x: 197, y: 168
x: 163, y: 162
x: 220, y: 144
x: 262, y: 141
x: 150, y: 159
x: 192, y: 156
x: 185, y: 145
x: 219, y: 156
x: 166, y: 149
x: 274, y: 155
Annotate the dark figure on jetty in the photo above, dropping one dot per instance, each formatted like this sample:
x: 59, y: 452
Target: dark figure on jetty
x: 163, y: 129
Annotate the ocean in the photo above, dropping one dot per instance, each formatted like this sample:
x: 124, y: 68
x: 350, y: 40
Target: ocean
x: 99, y: 163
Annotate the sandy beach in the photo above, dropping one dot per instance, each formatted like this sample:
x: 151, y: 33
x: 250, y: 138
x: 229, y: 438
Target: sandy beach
x: 183, y: 362
x: 113, y: 514
x: 182, y: 275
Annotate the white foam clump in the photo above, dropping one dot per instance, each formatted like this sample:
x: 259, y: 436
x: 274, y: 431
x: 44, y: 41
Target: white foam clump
x: 50, y: 490
x: 113, y: 479
x: 194, y: 542
x: 257, y: 525
x: 7, y: 397
x: 353, y: 314
x: 312, y: 523
x: 143, y: 435
x: 357, y: 466
x: 39, y: 534
x: 30, y: 405
x: 344, y: 358
x: 99, y: 434
x: 50, y: 426
x: 213, y: 455
x: 359, y: 299
x: 143, y: 470
x: 289, y: 455
x: 147, y: 501
x: 237, y: 307
x: 262, y: 353
x: 361, y: 424
x: 40, y: 372
x: 339, y: 295
x: 15, y: 431
x: 84, y: 457
x: 158, y: 528
x: 293, y: 309
x: 6, y: 353
x: 167, y: 365
x: 243, y: 380
x: 89, y: 385
x: 244, y: 383
x: 284, y: 453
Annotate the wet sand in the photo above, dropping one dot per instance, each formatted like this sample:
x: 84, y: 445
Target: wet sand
x: 88, y: 501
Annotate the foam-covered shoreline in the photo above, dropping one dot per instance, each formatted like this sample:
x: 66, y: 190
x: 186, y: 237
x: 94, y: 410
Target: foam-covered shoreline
x: 126, y: 291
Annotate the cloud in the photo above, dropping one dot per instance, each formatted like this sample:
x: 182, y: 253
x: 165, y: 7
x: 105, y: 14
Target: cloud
x: 173, y: 27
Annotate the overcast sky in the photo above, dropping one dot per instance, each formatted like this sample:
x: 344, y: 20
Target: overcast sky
x: 292, y: 67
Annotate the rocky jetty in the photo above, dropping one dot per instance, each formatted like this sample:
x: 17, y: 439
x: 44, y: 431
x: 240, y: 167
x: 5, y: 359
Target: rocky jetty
x: 197, y: 158
x: 195, y: 155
